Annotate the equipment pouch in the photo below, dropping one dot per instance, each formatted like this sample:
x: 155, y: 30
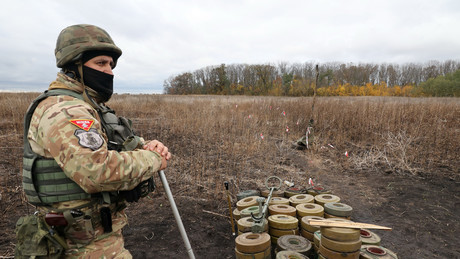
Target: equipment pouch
x: 36, y: 239
x: 147, y: 187
x: 79, y: 229
x: 106, y: 219
x: 131, y: 143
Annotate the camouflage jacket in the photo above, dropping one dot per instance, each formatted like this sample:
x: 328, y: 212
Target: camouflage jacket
x: 59, y: 129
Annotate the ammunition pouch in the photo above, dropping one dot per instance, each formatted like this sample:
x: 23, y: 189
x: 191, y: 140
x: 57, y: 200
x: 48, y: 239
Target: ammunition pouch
x: 80, y: 229
x: 35, y: 239
x: 106, y: 219
x: 118, y: 130
x: 147, y: 187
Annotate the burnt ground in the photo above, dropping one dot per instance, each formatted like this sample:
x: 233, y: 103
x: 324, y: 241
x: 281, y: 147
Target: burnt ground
x: 423, y: 211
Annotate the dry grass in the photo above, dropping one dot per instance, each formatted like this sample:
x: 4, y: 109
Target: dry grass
x: 216, y: 138
x: 12, y: 109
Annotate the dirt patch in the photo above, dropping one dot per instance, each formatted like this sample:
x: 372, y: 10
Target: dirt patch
x: 422, y: 210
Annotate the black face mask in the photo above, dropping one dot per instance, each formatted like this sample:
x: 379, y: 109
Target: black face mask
x: 99, y: 81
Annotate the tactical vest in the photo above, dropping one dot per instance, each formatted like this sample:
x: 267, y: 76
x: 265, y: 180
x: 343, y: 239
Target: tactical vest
x: 44, y: 181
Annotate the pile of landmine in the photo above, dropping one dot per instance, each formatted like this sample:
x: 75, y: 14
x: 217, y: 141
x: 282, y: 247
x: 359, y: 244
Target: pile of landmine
x: 288, y: 234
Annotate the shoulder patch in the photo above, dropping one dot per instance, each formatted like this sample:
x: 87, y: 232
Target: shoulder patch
x: 83, y: 124
x: 90, y: 139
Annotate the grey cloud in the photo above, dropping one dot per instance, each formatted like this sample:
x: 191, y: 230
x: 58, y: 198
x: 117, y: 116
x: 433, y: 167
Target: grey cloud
x: 164, y: 38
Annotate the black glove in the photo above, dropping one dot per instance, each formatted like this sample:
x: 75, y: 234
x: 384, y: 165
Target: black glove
x: 140, y: 191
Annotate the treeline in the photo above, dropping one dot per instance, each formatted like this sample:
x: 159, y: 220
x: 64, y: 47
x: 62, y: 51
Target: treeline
x: 432, y: 78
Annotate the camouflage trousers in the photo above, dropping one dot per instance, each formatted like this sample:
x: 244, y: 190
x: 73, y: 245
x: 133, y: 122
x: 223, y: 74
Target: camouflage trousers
x: 109, y: 247
x: 106, y: 245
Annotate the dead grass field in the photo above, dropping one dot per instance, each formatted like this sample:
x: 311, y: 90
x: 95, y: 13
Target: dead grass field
x: 402, y: 168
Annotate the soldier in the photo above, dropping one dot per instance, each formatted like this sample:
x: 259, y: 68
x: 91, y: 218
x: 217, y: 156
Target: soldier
x: 306, y: 141
x: 81, y: 161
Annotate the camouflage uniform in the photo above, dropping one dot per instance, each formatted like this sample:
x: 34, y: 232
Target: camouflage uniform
x: 69, y: 130
x: 306, y: 141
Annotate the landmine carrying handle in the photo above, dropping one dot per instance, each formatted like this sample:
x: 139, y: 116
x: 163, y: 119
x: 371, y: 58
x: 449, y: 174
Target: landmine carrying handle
x: 258, y: 226
x: 176, y: 215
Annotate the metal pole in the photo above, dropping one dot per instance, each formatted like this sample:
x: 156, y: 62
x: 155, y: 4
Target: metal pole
x: 176, y: 215
x: 230, y: 208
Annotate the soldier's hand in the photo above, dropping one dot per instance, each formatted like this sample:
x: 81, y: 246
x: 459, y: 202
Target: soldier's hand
x: 164, y: 163
x: 159, y: 147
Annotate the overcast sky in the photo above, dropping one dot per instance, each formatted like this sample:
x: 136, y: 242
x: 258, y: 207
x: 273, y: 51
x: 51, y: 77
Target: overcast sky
x: 160, y: 39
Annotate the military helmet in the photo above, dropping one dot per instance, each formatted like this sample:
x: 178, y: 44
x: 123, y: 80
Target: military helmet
x: 76, y: 39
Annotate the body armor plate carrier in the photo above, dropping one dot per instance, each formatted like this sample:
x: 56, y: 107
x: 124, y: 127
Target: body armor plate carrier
x: 45, y: 182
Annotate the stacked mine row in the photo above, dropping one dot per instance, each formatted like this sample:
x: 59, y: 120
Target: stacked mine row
x: 287, y: 232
